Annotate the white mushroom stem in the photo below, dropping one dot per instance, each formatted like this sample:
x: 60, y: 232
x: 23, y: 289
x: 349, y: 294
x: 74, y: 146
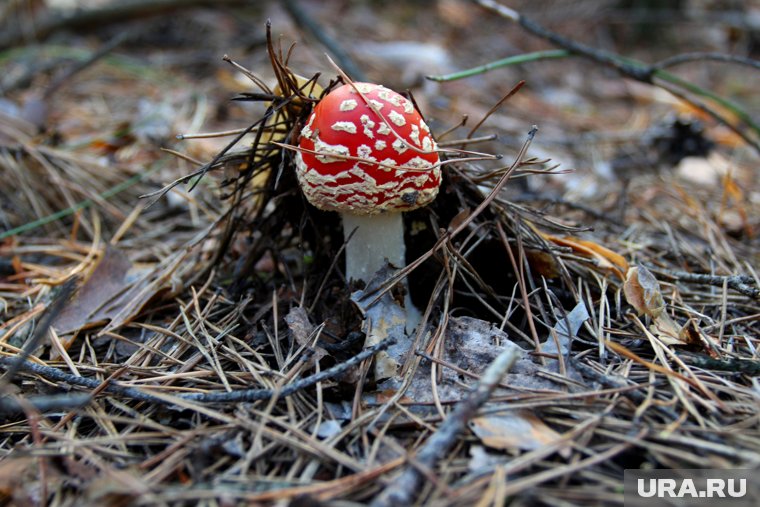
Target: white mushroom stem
x: 376, y: 238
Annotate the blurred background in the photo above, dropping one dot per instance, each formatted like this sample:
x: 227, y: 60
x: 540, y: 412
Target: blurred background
x: 116, y: 80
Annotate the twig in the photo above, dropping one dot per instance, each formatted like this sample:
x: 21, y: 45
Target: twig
x: 244, y: 395
x: 739, y: 283
x: 735, y: 365
x: 46, y: 403
x: 266, y: 394
x: 406, y: 487
x: 700, y: 56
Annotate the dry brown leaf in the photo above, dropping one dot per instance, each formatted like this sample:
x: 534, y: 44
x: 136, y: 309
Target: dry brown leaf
x: 106, y: 281
x: 542, y: 263
x: 165, y: 277
x: 604, y: 257
x: 642, y: 291
x: 667, y: 330
x: 303, y: 330
x: 517, y: 430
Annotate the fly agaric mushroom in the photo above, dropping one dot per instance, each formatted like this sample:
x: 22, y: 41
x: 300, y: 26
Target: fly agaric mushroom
x: 366, y: 153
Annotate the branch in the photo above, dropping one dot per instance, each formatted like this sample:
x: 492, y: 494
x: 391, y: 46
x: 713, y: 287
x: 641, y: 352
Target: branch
x: 243, y: 395
x: 706, y: 56
x: 739, y: 283
x: 44, y: 403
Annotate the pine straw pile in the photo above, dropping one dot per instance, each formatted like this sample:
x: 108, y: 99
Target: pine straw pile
x: 205, y: 349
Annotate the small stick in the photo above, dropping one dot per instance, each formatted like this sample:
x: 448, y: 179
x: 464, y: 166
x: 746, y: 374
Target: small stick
x: 44, y: 403
x: 244, y: 395
x: 739, y: 283
x: 706, y: 56
x: 406, y: 487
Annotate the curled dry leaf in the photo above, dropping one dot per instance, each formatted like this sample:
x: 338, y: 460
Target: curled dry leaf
x: 107, y: 280
x: 642, y: 291
x: 604, y: 257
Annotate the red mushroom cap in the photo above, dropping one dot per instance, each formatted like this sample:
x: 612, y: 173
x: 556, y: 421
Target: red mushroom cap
x: 353, y: 160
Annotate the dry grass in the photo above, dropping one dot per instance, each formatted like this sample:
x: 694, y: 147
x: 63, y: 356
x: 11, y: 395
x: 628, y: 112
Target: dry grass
x: 200, y: 313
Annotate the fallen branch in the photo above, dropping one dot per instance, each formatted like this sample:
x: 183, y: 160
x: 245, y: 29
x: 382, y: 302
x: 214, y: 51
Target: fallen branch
x: 44, y: 403
x: 244, y: 395
x: 739, y: 283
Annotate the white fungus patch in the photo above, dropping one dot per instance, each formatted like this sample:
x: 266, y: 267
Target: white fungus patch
x: 419, y: 163
x: 397, y: 118
x: 376, y: 104
x: 390, y: 96
x: 388, y: 164
x: 344, y: 126
x: 415, y: 135
x: 383, y: 129
x: 348, y: 105
x: 400, y: 146
x: 365, y: 152
x: 368, y: 126
x: 306, y: 130
x: 427, y: 144
x: 364, y: 87
x: 380, y: 145
x: 408, y: 106
x: 329, y: 153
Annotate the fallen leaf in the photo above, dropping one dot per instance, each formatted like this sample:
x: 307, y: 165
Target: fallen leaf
x: 565, y: 329
x: 303, y: 331
x: 642, y: 291
x: 604, y: 257
x: 516, y: 430
x: 301, y: 328
x: 106, y: 281
x: 542, y: 263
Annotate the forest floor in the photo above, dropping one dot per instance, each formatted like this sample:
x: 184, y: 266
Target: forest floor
x: 175, y: 323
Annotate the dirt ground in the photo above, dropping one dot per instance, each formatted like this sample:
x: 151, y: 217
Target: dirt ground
x: 176, y: 327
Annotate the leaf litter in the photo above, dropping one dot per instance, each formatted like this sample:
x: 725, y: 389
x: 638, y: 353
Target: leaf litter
x: 622, y: 360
